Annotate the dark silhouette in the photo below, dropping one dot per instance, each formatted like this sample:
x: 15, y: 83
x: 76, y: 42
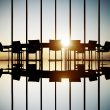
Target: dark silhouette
x: 34, y: 74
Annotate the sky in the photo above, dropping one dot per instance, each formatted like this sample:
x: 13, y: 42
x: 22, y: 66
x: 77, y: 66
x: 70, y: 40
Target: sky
x: 48, y: 20
x: 49, y: 33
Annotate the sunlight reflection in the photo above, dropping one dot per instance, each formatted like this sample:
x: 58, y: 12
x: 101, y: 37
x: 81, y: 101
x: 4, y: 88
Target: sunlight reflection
x: 64, y: 80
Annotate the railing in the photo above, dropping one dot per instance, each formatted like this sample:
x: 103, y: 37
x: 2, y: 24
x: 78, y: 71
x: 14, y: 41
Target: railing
x: 73, y: 59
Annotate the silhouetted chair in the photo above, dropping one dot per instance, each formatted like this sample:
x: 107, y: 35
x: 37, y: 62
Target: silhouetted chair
x: 34, y: 77
x: 31, y: 67
x: 33, y: 73
x: 106, y: 72
x: 81, y: 48
x: 106, y: 47
x: 1, y: 47
x: 55, y: 45
x: 92, y: 75
x: 92, y: 45
x: 75, y: 79
x: 75, y: 45
x: 16, y: 72
x: 1, y: 71
x: 81, y: 67
x: 75, y: 76
x: 55, y: 77
x: 33, y: 46
x: 16, y: 47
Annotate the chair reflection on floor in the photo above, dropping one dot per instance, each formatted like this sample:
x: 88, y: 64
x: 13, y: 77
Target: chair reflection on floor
x: 16, y: 71
x: 1, y: 72
x: 106, y: 72
x: 33, y: 73
x: 92, y: 75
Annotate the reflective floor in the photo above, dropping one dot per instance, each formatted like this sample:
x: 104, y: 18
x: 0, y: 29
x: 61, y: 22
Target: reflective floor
x: 49, y: 93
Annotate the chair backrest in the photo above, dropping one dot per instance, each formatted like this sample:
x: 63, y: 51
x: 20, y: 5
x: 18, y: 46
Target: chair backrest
x: 75, y: 45
x: 92, y: 45
x: 55, y: 45
x: 16, y: 47
x: 106, y: 46
x: 92, y: 75
x: 1, y: 70
x: 33, y: 46
x: 1, y: 47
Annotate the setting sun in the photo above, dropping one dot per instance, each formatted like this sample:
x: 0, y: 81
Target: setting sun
x: 65, y: 42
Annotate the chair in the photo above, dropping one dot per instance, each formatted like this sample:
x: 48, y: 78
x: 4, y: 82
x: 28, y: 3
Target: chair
x: 106, y: 72
x: 75, y: 76
x: 33, y: 73
x: 92, y: 75
x: 1, y: 47
x: 92, y: 45
x: 16, y: 72
x: 1, y: 71
x: 75, y: 45
x: 106, y: 47
x: 16, y: 47
x: 33, y: 46
x: 55, y: 76
x: 55, y: 45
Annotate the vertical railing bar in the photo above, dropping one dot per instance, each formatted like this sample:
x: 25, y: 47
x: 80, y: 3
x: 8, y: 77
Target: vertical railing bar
x: 98, y: 54
x: 41, y: 53
x: 70, y: 28
x: 12, y: 54
x: 8, y: 58
x: 61, y: 60
x: 26, y: 54
x: 36, y: 59
x: 70, y: 53
x: 49, y: 59
x: 84, y: 52
x: 55, y: 52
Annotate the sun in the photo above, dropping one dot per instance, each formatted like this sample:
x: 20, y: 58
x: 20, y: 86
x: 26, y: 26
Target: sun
x: 65, y: 42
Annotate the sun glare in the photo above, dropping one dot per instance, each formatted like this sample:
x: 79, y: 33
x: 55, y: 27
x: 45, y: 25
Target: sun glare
x: 65, y: 42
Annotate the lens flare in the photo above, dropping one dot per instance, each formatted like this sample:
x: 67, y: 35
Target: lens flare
x: 65, y: 42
